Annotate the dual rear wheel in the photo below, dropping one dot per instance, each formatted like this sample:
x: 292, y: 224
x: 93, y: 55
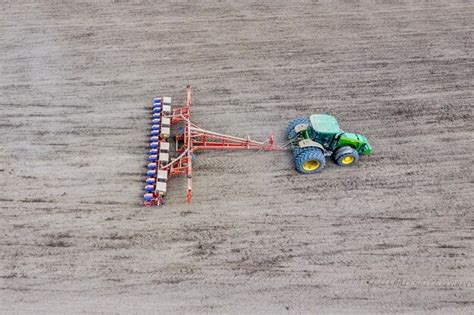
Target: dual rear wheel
x: 309, y: 160
x: 295, y: 122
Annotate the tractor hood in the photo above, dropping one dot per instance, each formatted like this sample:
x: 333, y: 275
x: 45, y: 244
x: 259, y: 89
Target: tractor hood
x: 358, y: 141
x: 366, y: 147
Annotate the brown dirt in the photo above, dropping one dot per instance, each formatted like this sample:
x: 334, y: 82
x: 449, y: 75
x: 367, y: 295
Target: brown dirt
x: 393, y: 234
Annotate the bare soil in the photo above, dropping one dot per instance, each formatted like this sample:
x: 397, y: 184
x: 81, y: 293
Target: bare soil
x: 392, y: 234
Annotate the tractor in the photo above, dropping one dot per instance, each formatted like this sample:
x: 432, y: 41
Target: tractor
x: 314, y: 139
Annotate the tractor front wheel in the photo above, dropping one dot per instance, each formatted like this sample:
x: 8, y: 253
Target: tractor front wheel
x: 310, y: 160
x: 346, y: 156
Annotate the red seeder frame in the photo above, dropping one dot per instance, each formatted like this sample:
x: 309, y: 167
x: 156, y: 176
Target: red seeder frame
x: 192, y: 139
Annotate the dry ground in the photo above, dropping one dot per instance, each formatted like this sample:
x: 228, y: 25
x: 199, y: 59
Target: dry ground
x: 393, y: 234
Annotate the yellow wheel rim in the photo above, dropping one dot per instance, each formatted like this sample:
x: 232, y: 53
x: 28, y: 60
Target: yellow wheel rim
x: 311, y: 165
x: 347, y: 160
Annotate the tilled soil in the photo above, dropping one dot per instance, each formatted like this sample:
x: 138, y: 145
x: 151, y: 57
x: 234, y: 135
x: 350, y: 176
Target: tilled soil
x: 392, y: 234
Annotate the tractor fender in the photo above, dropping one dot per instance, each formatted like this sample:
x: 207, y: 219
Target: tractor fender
x: 343, y: 150
x: 306, y: 143
x: 301, y: 127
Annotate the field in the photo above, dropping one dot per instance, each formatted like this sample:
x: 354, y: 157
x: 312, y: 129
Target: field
x: 392, y: 234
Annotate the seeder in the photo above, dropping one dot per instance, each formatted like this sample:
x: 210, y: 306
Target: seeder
x: 189, y: 139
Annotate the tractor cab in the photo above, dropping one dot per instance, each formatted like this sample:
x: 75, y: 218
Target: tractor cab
x: 324, y: 130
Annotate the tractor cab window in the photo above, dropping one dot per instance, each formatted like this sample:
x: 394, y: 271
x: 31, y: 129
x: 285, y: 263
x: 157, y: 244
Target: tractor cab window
x: 325, y: 139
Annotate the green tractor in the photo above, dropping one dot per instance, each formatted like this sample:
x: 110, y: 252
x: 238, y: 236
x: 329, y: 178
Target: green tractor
x: 314, y: 139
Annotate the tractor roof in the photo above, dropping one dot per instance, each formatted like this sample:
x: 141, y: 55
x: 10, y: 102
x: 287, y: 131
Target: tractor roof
x: 324, y: 123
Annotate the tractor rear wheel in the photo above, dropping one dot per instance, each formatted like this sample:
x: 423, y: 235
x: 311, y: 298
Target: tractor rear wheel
x: 310, y: 160
x: 346, y: 156
x: 295, y: 122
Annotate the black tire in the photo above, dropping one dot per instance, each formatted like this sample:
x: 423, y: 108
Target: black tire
x: 295, y: 122
x: 346, y: 156
x: 310, y: 161
x: 297, y: 151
